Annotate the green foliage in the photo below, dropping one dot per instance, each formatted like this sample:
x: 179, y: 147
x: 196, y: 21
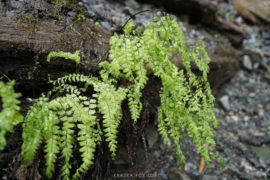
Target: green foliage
x: 186, y: 99
x: 9, y: 114
x: 67, y: 55
x: 72, y: 117
x: 82, y: 108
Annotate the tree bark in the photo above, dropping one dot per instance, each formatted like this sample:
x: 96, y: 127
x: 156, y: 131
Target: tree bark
x: 23, y: 55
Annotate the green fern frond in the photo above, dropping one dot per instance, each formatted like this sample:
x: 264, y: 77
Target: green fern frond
x: 181, y: 105
x: 9, y: 110
x: 67, y: 55
x: 186, y: 99
x: 127, y: 61
x: 109, y: 104
x: 52, y: 139
x: 32, y: 131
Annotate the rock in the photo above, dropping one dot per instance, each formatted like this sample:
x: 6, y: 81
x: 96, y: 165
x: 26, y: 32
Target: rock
x: 176, y: 174
x: 262, y: 152
x: 203, y: 11
x: 235, y: 118
x: 106, y: 25
x: 249, y: 169
x: 236, y: 32
x: 209, y: 177
x: 71, y: 14
x: 162, y: 175
x: 251, y: 140
x: 132, y: 4
x: 256, y: 11
x: 224, y: 101
x: 247, y: 62
x: 151, y: 135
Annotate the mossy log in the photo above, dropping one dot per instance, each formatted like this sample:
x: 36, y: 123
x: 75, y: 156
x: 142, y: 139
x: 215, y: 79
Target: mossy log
x: 23, y: 53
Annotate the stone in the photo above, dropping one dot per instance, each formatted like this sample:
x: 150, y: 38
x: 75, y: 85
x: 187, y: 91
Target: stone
x: 249, y: 169
x: 176, y: 174
x: 132, y: 4
x: 262, y: 152
x: 256, y: 11
x: 209, y: 177
x: 203, y: 11
x: 106, y: 25
x: 151, y: 135
x: 247, y: 62
x: 236, y: 32
x: 224, y: 101
x: 162, y: 174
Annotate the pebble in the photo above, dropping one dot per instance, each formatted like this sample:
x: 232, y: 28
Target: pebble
x: 151, y: 135
x: 132, y: 4
x: 162, y: 175
x: 262, y: 152
x: 247, y: 62
x: 209, y: 177
x: 176, y: 174
x: 106, y: 25
x: 224, y: 101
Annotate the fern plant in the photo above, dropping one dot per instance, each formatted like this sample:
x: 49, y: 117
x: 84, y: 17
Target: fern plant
x: 186, y: 99
x: 9, y: 110
x: 81, y: 108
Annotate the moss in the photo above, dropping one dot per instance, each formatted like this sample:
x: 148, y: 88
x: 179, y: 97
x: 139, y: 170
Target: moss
x: 29, y: 22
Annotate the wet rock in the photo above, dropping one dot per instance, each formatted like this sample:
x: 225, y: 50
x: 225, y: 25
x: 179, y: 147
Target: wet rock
x: 132, y: 4
x: 256, y: 11
x: 251, y: 170
x: 262, y: 152
x: 224, y: 101
x: 176, y: 174
x: 151, y: 135
x: 236, y: 32
x: 251, y: 140
x: 247, y: 62
x: 209, y: 177
x: 71, y: 14
x: 106, y: 25
x: 199, y: 10
x: 162, y: 175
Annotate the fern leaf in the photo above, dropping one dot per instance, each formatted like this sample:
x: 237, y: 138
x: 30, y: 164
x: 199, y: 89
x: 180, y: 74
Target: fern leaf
x: 32, y: 131
x: 109, y: 104
x: 87, y: 140
x: 9, y: 115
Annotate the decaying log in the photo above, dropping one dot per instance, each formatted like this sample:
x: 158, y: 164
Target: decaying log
x: 23, y: 55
